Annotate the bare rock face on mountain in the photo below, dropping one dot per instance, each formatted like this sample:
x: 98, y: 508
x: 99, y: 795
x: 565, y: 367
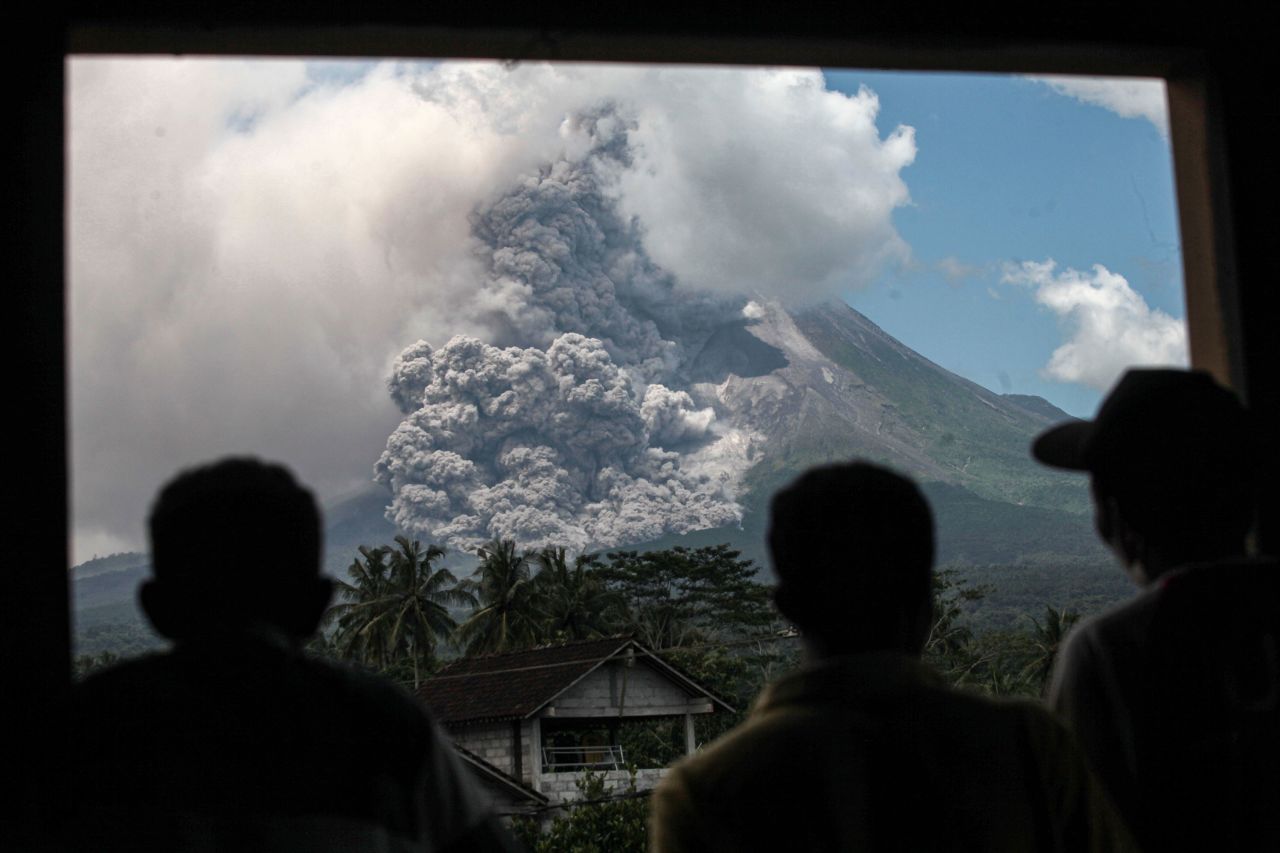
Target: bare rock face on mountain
x: 809, y: 405
x: 838, y: 387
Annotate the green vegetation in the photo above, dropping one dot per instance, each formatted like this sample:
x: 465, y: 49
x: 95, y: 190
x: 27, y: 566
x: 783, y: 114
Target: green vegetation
x: 997, y: 661
x: 397, y: 607
x: 1017, y: 594
x: 87, y: 664
x: 983, y: 442
x: 119, y: 629
x: 394, y: 614
x: 681, y: 596
x: 509, y: 602
x: 601, y: 821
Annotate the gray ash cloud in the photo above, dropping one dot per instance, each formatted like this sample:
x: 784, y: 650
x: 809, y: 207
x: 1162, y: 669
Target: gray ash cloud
x: 570, y: 431
x: 560, y: 259
x: 547, y: 447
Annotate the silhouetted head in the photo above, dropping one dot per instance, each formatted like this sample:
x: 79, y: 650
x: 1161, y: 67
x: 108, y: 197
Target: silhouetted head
x: 233, y: 544
x: 1172, y: 456
x: 852, y: 545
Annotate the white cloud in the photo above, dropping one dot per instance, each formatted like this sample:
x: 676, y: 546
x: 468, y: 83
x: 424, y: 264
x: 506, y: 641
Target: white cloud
x: 766, y: 183
x: 956, y: 270
x: 251, y: 244
x: 1128, y: 97
x: 1110, y: 327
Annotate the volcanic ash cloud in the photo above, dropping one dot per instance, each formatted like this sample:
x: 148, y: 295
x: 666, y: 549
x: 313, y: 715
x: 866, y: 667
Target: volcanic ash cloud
x: 551, y: 447
x: 559, y: 257
x: 576, y: 421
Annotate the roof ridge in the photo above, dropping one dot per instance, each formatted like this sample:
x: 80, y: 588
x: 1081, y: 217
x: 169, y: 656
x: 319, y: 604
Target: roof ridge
x: 540, y: 648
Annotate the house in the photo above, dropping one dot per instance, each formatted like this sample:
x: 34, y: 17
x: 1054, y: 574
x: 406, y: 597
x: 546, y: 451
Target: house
x: 542, y: 716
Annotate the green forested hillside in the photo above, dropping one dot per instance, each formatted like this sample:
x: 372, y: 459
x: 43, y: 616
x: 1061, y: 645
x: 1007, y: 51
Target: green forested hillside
x: 980, y: 436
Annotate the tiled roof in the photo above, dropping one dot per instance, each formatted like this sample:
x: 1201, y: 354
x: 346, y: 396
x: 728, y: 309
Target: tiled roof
x: 513, y: 685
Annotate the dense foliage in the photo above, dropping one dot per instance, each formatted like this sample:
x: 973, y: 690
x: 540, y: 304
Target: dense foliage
x: 396, y: 608
x: 997, y: 661
x: 600, y: 821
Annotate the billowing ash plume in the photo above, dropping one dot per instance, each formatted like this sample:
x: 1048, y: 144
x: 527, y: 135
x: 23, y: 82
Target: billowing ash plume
x: 561, y: 259
x: 567, y: 436
x: 546, y: 447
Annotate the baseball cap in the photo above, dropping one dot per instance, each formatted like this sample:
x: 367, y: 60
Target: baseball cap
x: 1153, y: 417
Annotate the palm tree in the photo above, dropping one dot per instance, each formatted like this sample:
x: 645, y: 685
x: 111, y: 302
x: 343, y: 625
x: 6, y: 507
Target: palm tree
x: 420, y: 596
x: 361, y: 616
x: 1047, y: 639
x: 507, y: 618
x: 397, y: 607
x: 1004, y: 682
x: 573, y: 602
x: 949, y: 646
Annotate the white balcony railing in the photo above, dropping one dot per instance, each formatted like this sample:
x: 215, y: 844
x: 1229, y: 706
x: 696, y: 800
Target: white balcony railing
x: 563, y: 759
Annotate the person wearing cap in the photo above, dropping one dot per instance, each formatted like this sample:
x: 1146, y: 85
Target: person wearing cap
x: 1175, y: 695
x: 236, y: 739
x: 866, y: 748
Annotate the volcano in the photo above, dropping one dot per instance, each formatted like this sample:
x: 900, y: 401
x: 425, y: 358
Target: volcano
x: 792, y: 389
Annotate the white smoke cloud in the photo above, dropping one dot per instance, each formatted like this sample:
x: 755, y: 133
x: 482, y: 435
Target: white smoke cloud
x: 251, y: 244
x: 794, y: 209
x: 1110, y: 325
x: 1127, y: 97
x: 671, y: 418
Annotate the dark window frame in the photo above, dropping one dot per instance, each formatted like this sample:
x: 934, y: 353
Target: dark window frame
x: 1209, y: 65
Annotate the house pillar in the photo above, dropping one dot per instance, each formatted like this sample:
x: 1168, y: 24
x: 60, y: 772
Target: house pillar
x: 535, y: 757
x: 690, y: 741
x: 517, y: 749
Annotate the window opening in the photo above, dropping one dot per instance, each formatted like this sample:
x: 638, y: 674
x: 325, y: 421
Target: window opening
x: 599, y: 307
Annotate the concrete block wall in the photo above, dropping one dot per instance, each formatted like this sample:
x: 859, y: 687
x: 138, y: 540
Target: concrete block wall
x: 563, y: 788
x: 490, y: 741
x: 495, y: 743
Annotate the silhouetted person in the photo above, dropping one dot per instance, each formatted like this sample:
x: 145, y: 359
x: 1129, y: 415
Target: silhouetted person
x: 1175, y: 695
x: 865, y: 748
x: 235, y: 740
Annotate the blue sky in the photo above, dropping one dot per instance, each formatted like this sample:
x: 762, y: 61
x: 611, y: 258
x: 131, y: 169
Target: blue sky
x: 1009, y: 170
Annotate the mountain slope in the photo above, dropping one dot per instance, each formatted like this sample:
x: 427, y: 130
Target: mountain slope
x: 801, y: 388
x: 981, y: 439
x: 849, y: 389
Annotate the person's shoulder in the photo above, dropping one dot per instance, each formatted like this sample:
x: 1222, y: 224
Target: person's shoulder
x: 1017, y: 710
x: 974, y: 712
x: 763, y: 739
x: 1224, y: 585
x: 1008, y: 725
x: 123, y: 679
x: 372, y: 697
x: 1123, y: 626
